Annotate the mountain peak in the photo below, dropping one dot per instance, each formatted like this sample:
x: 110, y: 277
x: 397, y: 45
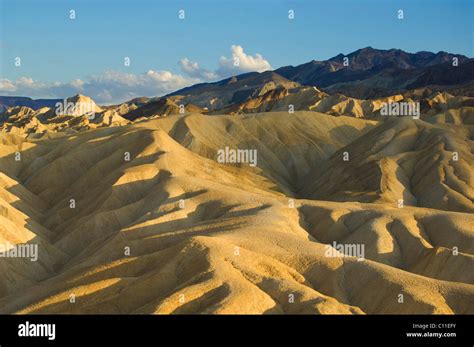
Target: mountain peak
x: 338, y: 57
x: 81, y: 105
x: 79, y: 98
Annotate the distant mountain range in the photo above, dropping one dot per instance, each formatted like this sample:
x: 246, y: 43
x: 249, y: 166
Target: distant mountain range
x: 12, y: 101
x: 374, y: 73
x: 369, y: 73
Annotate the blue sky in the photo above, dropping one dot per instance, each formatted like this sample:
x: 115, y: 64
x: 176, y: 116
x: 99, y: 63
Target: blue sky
x: 90, y: 49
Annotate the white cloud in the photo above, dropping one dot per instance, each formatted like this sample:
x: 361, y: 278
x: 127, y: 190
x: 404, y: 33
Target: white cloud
x: 7, y: 85
x: 115, y: 86
x: 109, y: 87
x: 77, y: 83
x: 238, y: 63
x: 192, y: 69
x: 241, y: 62
x: 22, y: 86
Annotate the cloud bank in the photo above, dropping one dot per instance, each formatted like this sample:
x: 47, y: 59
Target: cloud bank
x: 115, y: 86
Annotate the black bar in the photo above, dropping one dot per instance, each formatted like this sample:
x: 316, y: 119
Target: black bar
x: 156, y: 330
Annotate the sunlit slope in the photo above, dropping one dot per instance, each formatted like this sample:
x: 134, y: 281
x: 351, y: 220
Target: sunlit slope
x: 402, y: 159
x: 288, y: 145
